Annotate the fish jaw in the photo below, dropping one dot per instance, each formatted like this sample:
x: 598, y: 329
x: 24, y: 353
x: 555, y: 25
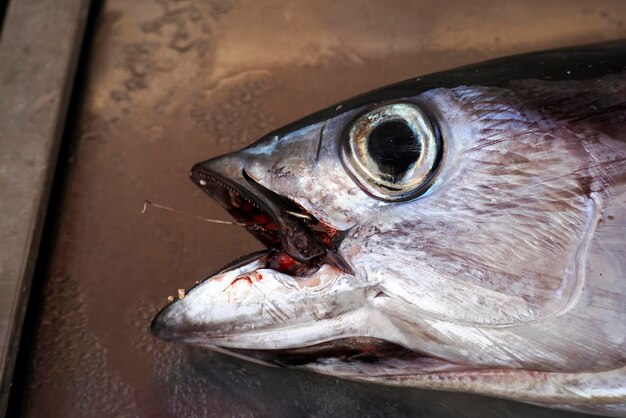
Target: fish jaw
x: 282, y: 298
x: 253, y: 307
x: 328, y: 322
x: 301, y: 290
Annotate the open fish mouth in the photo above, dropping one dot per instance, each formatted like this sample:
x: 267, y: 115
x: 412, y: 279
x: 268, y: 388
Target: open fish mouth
x: 298, y: 243
x: 298, y: 246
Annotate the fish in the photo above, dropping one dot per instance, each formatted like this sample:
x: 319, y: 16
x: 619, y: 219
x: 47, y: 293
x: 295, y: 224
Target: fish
x: 459, y: 231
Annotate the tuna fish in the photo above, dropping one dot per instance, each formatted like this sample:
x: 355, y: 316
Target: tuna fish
x: 461, y: 231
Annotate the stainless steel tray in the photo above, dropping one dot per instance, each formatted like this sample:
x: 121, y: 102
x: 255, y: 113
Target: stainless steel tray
x: 174, y: 82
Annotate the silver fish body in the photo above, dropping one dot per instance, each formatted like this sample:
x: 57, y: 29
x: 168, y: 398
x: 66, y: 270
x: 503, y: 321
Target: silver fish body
x: 463, y: 231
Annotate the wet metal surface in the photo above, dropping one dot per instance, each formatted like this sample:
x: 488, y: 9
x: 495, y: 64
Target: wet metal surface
x: 174, y: 82
x: 36, y: 72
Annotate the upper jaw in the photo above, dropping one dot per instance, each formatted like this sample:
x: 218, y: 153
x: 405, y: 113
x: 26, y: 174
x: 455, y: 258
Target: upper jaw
x: 283, y: 230
x: 272, y: 218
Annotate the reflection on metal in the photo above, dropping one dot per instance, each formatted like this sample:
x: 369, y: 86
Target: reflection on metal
x: 38, y: 54
x: 173, y: 82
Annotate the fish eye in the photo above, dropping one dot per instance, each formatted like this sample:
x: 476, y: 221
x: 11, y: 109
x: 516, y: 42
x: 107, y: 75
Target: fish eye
x: 392, y: 151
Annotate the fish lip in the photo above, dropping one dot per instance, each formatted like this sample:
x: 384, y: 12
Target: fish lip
x: 292, y: 235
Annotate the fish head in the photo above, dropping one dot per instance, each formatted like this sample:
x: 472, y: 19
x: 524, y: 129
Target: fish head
x: 448, y: 230
x: 302, y: 282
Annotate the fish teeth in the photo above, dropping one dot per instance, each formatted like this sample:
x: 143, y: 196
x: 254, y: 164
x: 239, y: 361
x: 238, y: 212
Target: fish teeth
x: 228, y: 188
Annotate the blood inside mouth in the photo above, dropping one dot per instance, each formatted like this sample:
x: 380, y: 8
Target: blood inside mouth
x: 255, y: 216
x: 262, y: 225
x: 248, y: 208
x: 283, y: 262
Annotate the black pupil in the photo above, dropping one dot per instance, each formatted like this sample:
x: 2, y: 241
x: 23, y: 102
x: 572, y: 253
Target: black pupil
x: 394, y: 147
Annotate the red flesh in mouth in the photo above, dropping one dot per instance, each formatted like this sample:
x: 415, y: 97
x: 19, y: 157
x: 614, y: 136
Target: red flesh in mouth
x: 263, y: 227
x: 282, y: 262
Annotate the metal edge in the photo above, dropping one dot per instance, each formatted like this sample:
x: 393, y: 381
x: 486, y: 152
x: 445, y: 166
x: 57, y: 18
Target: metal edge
x: 37, y: 68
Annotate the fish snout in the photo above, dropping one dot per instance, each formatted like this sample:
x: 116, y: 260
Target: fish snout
x: 166, y: 325
x: 224, y: 304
